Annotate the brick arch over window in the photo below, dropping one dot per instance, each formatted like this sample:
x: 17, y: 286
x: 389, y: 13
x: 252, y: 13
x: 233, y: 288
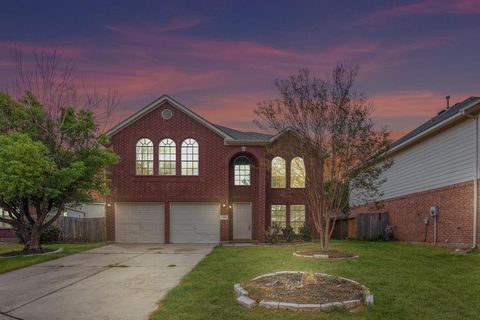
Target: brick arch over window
x: 297, y: 173
x: 279, y: 173
x: 144, y: 157
x: 190, y: 157
x: 242, y: 171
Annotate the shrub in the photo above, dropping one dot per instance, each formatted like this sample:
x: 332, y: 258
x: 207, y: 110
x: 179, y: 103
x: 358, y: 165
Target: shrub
x: 306, y: 232
x: 49, y: 235
x: 288, y: 233
x: 272, y: 234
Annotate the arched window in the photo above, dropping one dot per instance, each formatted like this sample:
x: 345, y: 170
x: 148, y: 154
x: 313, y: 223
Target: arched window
x: 167, y: 158
x: 144, y: 162
x: 297, y: 173
x: 189, y: 157
x: 279, y: 168
x: 242, y: 171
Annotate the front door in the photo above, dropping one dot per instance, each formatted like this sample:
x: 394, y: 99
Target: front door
x: 242, y: 221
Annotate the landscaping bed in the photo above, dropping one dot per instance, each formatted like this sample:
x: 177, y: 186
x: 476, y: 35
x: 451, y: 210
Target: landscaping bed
x: 303, y: 288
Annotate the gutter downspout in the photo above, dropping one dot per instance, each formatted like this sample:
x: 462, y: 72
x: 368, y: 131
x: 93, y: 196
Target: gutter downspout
x: 475, y: 182
x: 475, y: 188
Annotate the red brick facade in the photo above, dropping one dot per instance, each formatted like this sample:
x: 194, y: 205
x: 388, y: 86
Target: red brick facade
x: 454, y: 221
x: 213, y: 184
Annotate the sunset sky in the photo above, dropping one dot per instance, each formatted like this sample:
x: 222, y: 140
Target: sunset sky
x: 220, y: 58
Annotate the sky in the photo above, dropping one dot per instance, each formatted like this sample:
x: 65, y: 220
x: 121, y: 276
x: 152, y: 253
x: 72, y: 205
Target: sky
x: 220, y: 58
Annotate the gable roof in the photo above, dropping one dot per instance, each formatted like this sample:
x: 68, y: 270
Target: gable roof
x: 443, y: 118
x: 157, y: 103
x: 229, y: 135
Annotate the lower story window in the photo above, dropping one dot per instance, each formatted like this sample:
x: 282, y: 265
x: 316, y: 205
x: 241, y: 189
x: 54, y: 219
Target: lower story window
x: 297, y: 216
x: 4, y: 214
x: 279, y: 214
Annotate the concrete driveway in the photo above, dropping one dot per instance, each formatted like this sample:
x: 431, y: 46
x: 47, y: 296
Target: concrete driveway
x: 118, y: 281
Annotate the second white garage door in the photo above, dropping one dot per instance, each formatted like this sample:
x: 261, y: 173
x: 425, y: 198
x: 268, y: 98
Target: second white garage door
x: 195, y: 222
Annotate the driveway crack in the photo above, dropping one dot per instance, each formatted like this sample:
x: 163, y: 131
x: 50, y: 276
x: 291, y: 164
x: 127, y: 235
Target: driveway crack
x: 61, y: 288
x: 10, y: 316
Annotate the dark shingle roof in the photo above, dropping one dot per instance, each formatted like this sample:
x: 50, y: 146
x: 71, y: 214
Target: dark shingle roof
x: 247, y: 136
x: 441, y: 116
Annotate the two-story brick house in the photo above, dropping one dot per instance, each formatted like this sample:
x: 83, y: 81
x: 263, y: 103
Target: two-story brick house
x: 183, y: 179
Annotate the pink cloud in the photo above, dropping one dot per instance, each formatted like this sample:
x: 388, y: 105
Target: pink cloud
x: 425, y: 7
x: 179, y: 23
x: 69, y: 52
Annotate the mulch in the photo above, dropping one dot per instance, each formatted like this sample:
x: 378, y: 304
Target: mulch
x: 307, y: 288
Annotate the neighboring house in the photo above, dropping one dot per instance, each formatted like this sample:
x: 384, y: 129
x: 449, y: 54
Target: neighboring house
x: 90, y: 210
x: 183, y: 179
x: 435, y: 165
x: 6, y: 231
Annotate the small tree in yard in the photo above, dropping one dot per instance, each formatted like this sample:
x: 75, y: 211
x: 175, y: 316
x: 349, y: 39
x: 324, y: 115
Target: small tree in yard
x: 335, y: 136
x: 47, y: 162
x: 51, y: 153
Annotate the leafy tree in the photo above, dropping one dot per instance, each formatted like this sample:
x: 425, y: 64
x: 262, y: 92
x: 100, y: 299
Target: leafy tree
x: 332, y: 130
x: 47, y: 160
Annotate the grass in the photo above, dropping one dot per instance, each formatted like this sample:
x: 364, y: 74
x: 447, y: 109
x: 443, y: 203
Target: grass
x: 407, y: 281
x: 17, y: 262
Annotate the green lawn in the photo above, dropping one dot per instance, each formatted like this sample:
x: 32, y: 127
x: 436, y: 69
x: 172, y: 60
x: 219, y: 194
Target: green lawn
x: 408, y: 282
x: 14, y: 263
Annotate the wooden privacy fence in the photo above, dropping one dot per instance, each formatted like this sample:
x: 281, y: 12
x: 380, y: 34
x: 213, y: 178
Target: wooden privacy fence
x: 364, y: 226
x: 82, y: 229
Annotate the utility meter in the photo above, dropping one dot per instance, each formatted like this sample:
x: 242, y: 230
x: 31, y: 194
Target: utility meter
x: 433, y: 211
x: 425, y: 221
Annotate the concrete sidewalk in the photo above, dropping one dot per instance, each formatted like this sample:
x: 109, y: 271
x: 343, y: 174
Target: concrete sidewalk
x: 118, y: 281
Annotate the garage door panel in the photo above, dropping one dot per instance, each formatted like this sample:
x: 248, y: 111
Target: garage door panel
x: 140, y: 222
x: 195, y: 222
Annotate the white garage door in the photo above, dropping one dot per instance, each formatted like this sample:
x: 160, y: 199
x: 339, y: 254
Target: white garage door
x: 195, y: 222
x: 140, y: 222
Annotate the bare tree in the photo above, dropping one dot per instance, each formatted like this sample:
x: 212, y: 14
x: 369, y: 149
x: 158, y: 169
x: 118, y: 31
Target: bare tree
x: 50, y: 78
x: 335, y: 136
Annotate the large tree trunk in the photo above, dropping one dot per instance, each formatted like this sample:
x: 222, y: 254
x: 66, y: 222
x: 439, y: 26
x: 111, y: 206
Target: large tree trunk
x: 33, y: 245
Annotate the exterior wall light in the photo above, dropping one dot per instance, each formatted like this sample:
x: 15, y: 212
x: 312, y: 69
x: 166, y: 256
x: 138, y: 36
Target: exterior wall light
x: 230, y: 206
x: 224, y: 205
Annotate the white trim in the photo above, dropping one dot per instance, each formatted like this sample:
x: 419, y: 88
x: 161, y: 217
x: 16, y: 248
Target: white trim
x: 157, y: 103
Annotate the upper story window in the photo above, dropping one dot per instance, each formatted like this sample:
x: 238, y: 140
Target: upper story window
x: 242, y: 171
x: 167, y: 158
x: 279, y: 168
x: 297, y: 173
x: 144, y: 157
x: 189, y: 157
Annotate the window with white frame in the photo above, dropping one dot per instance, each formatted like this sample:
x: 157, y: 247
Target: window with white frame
x: 144, y: 157
x: 167, y: 158
x: 297, y: 173
x: 278, y: 214
x: 241, y: 171
x: 4, y: 215
x: 189, y: 157
x: 297, y: 216
x: 279, y: 168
